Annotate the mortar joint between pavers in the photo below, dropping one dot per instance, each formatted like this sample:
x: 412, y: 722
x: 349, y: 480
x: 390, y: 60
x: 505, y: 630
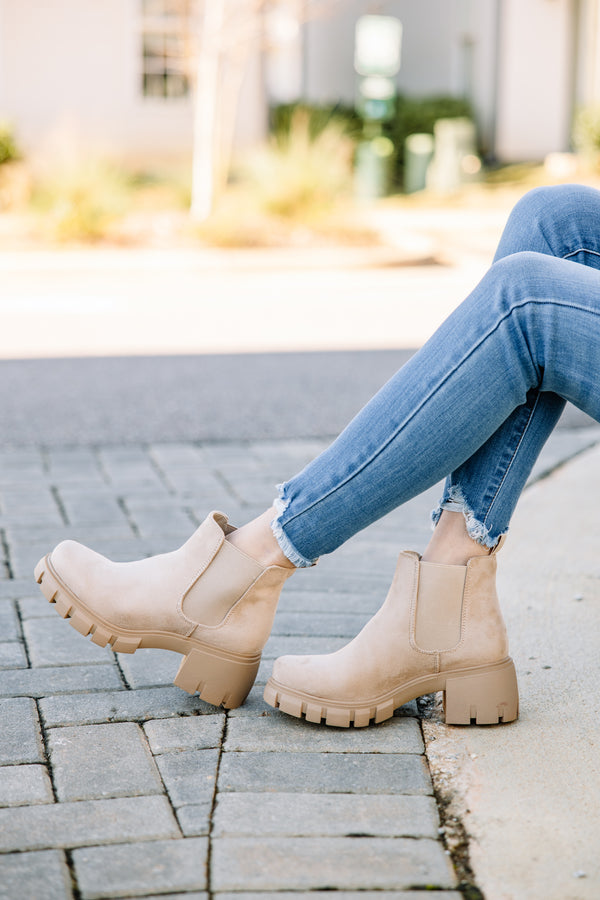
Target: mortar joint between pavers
x: 97, y: 452
x: 224, y: 481
x: 6, y: 560
x: 160, y: 472
x: 121, y: 672
x: 72, y: 874
x: 122, y: 504
x: 55, y: 492
x: 48, y: 763
x: 19, y: 615
x: 213, y: 805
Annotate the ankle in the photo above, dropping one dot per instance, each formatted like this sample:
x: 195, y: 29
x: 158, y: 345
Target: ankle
x: 450, y: 543
x: 257, y: 540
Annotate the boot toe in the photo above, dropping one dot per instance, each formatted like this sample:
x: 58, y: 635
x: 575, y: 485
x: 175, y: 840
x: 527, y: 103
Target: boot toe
x: 299, y: 673
x: 75, y: 565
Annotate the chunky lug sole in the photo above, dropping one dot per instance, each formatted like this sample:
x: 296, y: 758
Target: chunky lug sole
x: 221, y: 677
x: 486, y: 695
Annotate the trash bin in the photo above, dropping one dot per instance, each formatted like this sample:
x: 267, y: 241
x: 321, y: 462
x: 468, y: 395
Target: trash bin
x: 373, y: 167
x: 418, y: 153
x: 455, y: 159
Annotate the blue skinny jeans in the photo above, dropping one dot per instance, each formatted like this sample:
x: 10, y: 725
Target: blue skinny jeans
x: 479, y: 399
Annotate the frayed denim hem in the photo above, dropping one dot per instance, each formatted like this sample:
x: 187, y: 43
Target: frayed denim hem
x: 455, y: 501
x: 280, y: 504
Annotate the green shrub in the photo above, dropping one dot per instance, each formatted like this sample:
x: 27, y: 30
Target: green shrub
x: 412, y: 115
x: 418, y: 116
x: 586, y: 132
x: 81, y: 199
x: 317, y: 118
x: 304, y: 170
x: 8, y: 144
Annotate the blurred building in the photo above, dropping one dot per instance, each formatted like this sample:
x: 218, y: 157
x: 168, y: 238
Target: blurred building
x: 113, y: 72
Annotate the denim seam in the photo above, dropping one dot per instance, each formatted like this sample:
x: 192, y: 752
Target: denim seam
x: 580, y: 250
x: 395, y: 434
x: 513, y: 457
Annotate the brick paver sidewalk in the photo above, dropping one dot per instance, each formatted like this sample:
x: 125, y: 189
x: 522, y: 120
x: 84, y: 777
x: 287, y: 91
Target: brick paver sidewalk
x: 114, y: 783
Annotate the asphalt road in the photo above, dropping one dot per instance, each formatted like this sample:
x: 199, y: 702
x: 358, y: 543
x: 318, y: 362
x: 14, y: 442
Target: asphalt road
x: 191, y: 398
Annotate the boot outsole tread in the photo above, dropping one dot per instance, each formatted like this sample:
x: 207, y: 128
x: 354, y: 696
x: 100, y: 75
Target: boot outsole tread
x: 484, y: 695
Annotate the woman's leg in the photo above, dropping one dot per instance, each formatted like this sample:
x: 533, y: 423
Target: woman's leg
x: 496, y: 439
x: 564, y: 222
x: 494, y: 376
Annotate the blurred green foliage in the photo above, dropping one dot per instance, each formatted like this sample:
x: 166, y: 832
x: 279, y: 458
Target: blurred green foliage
x: 81, y: 199
x: 8, y: 145
x: 412, y: 116
x: 586, y: 132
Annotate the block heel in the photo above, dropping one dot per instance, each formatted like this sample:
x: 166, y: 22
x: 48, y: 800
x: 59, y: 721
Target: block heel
x: 219, y: 680
x: 487, y: 696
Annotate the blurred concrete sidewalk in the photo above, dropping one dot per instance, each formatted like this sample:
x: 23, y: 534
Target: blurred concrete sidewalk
x: 107, y: 301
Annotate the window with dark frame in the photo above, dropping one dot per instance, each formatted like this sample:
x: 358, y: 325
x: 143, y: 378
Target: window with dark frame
x: 164, y: 41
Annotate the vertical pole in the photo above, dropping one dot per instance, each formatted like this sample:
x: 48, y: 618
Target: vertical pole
x: 206, y: 109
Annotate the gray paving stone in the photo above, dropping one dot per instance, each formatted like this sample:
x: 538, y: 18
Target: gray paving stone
x: 338, y: 895
x: 254, y: 704
x: 9, y: 622
x: 20, y: 739
x: 85, y: 823
x: 327, y: 601
x: 36, y: 608
x: 121, y: 706
x: 354, y: 773
x: 328, y: 863
x: 189, y: 776
x: 329, y: 815
x: 135, y: 869
x: 13, y: 656
x: 43, y: 875
x: 276, y: 731
x: 282, y: 645
x: 24, y: 461
x: 336, y: 578
x: 52, y: 642
x: 160, y: 516
x: 191, y: 733
x: 60, y: 680
x: 23, y: 502
x: 179, y: 455
x: 92, y: 762
x: 189, y: 895
x: 15, y: 588
x: 73, y: 464
x: 24, y: 785
x: 129, y: 465
x: 149, y: 667
x: 194, y: 820
x: 94, y: 504
x: 228, y: 453
x: 324, y: 624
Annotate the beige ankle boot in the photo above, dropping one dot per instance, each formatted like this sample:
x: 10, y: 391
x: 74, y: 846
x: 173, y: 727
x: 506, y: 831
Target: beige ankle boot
x: 207, y: 600
x: 440, y: 629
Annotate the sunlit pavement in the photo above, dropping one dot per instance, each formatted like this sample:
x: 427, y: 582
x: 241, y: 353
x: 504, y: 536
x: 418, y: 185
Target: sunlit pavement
x: 118, y: 302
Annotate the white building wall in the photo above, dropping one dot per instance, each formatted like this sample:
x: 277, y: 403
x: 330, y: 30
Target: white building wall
x: 448, y: 47
x: 74, y: 66
x: 587, y: 91
x: 536, y: 81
